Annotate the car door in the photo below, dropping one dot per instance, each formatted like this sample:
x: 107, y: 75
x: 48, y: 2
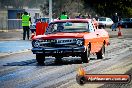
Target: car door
x: 109, y: 22
x: 94, y: 38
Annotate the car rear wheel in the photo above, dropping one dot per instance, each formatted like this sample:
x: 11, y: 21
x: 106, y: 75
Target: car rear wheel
x: 104, y: 26
x: 101, y: 53
x: 40, y: 58
x: 85, y: 56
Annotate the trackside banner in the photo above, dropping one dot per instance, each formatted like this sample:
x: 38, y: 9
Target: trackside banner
x: 83, y: 78
x: 102, y: 78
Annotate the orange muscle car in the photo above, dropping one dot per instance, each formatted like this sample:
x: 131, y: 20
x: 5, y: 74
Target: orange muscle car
x: 71, y: 37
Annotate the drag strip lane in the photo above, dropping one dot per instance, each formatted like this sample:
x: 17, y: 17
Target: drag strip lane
x: 56, y: 75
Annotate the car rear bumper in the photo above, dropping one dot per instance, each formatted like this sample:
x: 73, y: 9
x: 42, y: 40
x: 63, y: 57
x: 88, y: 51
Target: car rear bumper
x: 50, y: 51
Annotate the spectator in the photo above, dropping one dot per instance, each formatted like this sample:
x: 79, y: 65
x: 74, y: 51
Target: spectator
x: 83, y: 17
x: 89, y: 16
x: 95, y: 23
x: 96, y: 17
x: 63, y: 16
x: 79, y: 16
x: 115, y: 19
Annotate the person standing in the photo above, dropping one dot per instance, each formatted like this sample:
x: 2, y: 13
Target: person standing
x: 78, y: 17
x: 96, y: 17
x: 89, y: 16
x: 95, y: 22
x: 26, y: 21
x: 115, y: 19
x: 63, y: 16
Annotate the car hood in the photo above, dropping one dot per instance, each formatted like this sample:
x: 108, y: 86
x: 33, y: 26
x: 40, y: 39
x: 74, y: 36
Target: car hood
x: 60, y: 35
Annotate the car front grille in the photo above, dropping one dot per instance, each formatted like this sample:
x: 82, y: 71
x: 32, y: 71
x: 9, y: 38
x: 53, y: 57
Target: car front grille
x: 59, y: 43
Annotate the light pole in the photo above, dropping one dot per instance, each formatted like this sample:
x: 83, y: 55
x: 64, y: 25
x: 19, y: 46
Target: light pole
x: 50, y: 10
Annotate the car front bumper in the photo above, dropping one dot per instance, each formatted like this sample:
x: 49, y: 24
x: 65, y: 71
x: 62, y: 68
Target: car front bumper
x: 50, y: 51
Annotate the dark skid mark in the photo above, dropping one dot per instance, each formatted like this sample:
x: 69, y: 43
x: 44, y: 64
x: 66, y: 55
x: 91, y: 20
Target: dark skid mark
x: 22, y: 63
x: 63, y: 62
x: 106, y: 59
x: 48, y: 62
x: 93, y: 59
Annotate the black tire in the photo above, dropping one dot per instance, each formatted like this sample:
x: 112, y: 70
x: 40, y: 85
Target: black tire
x: 104, y: 26
x: 81, y: 80
x: 101, y: 53
x: 111, y: 27
x: 58, y: 60
x: 99, y: 27
x: 85, y: 56
x: 40, y: 58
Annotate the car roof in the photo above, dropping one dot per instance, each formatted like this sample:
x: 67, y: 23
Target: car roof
x: 103, y: 17
x: 73, y: 20
x: 43, y: 18
x: 126, y: 19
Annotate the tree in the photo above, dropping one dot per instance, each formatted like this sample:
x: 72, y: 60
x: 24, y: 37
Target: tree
x: 14, y: 3
x: 45, y: 8
x: 109, y: 7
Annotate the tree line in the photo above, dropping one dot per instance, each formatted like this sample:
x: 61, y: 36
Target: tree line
x: 109, y: 7
x: 93, y: 7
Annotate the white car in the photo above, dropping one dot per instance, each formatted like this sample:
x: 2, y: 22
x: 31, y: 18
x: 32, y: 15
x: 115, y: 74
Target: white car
x: 105, y: 22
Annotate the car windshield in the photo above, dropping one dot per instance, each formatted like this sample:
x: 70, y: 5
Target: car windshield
x: 45, y: 19
x: 102, y: 19
x: 67, y: 27
x: 36, y: 20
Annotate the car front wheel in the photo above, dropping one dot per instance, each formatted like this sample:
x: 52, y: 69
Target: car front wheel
x: 58, y: 59
x: 85, y: 56
x: 40, y: 58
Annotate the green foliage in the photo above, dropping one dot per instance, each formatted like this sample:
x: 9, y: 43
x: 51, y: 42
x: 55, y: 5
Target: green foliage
x: 128, y: 11
x: 109, y: 7
x: 100, y: 7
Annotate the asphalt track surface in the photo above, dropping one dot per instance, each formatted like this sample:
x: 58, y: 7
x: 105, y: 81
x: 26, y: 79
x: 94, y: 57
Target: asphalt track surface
x: 22, y: 71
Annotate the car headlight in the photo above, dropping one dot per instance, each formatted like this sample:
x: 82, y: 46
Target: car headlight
x: 36, y: 44
x: 79, y: 42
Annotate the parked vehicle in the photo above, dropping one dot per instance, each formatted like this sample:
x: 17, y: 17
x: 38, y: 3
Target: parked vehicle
x: 104, y: 22
x: 126, y: 22
x: 71, y: 37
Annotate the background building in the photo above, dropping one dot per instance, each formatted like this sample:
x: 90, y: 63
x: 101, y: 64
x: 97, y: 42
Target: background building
x: 11, y: 18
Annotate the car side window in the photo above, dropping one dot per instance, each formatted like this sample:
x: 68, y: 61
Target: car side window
x: 54, y: 28
x: 49, y: 28
x: 109, y: 20
x: 91, y: 28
